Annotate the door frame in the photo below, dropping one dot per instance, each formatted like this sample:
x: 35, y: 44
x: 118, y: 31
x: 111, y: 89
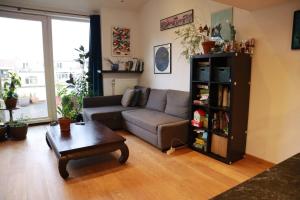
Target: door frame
x: 48, y: 60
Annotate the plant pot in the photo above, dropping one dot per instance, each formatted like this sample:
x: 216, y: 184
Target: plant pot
x: 10, y: 103
x: 115, y: 67
x: 18, y: 133
x: 207, y: 46
x: 3, y: 130
x: 64, y: 124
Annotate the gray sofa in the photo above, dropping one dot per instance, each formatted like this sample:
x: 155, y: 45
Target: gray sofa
x: 160, y: 119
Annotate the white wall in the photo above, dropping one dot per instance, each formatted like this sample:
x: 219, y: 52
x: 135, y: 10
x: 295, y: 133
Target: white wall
x: 274, y: 103
x: 129, y: 19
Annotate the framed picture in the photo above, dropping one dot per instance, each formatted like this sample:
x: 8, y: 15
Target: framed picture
x: 220, y: 24
x: 120, y: 41
x: 180, y: 19
x: 162, y: 59
x: 296, y: 31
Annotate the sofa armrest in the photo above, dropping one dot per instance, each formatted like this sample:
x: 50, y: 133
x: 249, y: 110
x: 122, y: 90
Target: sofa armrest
x: 176, y: 133
x: 99, y: 101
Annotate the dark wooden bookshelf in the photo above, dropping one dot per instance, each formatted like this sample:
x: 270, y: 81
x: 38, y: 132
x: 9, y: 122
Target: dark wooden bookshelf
x: 227, y: 77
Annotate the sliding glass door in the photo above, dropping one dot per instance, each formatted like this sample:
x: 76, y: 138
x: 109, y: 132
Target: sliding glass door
x: 68, y: 35
x: 22, y: 52
x: 41, y: 51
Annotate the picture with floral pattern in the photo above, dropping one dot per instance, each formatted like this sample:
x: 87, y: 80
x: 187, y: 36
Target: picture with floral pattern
x: 120, y: 41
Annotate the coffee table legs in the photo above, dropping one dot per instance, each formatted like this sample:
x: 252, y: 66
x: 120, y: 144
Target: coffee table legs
x: 62, y: 167
x: 124, y: 153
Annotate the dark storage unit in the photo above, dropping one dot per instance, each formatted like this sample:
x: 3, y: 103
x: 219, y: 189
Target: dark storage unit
x: 222, y: 130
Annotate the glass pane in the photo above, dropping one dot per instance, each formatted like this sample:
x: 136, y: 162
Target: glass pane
x: 21, y: 52
x: 66, y: 36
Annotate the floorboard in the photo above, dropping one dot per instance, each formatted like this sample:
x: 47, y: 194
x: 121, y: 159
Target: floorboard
x: 28, y: 170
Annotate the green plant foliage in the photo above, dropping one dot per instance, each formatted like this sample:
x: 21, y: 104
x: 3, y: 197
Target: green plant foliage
x: 68, y: 108
x: 10, y: 86
x: 191, y: 38
x: 21, y: 122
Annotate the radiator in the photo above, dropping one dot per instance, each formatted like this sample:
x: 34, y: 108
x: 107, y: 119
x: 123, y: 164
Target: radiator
x: 116, y: 86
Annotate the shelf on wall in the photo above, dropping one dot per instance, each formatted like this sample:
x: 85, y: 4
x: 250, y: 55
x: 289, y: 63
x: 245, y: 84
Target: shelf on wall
x: 121, y: 72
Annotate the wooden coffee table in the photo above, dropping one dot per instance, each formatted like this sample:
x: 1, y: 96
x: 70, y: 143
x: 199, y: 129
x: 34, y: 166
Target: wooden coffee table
x: 84, y: 140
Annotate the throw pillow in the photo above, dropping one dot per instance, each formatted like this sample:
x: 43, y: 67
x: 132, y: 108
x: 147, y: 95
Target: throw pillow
x: 127, y: 97
x: 143, y: 96
x: 157, y: 100
x: 136, y: 97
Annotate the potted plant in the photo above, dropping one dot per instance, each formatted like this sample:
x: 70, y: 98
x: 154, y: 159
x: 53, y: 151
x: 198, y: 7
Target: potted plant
x: 3, y: 130
x: 10, y: 96
x: 17, y: 129
x: 67, y: 110
x: 192, y: 37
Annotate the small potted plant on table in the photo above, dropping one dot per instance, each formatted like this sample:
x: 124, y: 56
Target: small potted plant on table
x: 10, y: 96
x: 67, y: 110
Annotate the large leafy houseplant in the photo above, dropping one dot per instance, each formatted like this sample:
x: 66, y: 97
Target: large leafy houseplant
x: 9, y: 95
x: 192, y: 37
x: 82, y: 85
x: 67, y: 109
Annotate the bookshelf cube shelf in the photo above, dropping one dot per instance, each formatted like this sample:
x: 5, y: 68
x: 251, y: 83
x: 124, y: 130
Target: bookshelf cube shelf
x: 220, y: 90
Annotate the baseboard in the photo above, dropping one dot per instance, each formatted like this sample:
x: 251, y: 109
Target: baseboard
x: 259, y: 159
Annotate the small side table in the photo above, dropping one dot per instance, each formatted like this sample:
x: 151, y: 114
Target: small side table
x: 11, y: 119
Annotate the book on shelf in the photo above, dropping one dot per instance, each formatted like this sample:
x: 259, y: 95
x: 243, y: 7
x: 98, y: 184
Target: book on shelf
x: 201, y: 141
x: 203, y: 95
x: 220, y: 122
x: 223, y: 96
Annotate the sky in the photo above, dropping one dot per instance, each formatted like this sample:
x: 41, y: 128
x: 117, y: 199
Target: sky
x: 23, y: 39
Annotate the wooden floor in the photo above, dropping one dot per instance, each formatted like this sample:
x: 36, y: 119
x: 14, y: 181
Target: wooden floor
x: 28, y: 170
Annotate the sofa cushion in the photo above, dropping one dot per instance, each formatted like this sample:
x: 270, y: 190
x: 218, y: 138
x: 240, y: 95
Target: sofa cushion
x: 105, y: 112
x: 157, y: 100
x: 148, y: 119
x: 136, y: 97
x: 144, y: 95
x: 127, y: 97
x: 177, y: 103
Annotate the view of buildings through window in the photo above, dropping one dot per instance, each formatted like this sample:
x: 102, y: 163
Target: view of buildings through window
x: 22, y: 52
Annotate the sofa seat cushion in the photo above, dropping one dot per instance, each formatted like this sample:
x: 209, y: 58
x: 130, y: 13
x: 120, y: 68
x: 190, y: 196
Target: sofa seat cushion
x: 105, y: 112
x: 148, y: 119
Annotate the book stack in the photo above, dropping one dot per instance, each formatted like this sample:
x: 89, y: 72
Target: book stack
x: 220, y: 122
x: 201, y: 139
x: 202, y: 96
x: 223, y: 96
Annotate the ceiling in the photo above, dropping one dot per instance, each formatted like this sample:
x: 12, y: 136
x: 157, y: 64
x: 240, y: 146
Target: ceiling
x: 79, y: 5
x: 252, y: 4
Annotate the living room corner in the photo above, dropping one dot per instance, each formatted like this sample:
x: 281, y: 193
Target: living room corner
x: 149, y: 99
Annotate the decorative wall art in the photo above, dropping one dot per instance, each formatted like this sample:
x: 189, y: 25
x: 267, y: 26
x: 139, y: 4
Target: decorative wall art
x: 120, y: 41
x: 180, y: 19
x: 296, y: 31
x: 162, y: 59
x: 220, y: 22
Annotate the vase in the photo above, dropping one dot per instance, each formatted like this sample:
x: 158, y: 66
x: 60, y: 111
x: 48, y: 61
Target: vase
x: 115, y: 67
x: 207, y: 46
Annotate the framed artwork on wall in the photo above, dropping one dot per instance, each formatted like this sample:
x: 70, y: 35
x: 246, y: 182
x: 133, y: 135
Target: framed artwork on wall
x: 120, y: 41
x: 180, y: 19
x: 220, y: 23
x: 296, y: 31
x: 162, y: 59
